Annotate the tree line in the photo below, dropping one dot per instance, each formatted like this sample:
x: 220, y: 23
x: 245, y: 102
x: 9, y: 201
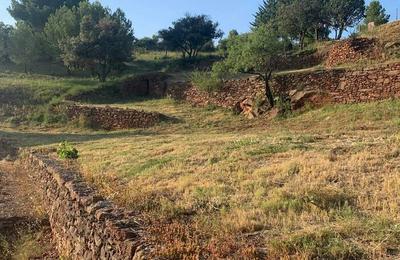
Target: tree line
x: 85, y: 35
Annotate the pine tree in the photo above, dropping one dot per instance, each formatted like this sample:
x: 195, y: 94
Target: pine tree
x: 376, y: 13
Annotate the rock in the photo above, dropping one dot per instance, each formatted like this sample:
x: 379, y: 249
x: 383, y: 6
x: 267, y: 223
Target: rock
x: 314, y: 97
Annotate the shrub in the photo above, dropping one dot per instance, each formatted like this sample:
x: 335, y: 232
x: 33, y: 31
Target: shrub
x: 67, y: 151
x: 206, y: 81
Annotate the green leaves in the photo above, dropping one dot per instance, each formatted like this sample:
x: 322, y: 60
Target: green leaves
x: 190, y: 34
x: 376, y: 13
x: 67, y: 151
x: 255, y: 52
x: 92, y: 38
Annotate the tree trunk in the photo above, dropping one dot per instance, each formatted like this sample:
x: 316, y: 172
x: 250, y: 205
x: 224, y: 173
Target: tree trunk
x: 302, y: 37
x: 316, y: 34
x: 268, y: 91
x: 341, y: 30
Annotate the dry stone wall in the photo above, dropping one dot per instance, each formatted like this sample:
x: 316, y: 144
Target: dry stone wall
x: 353, y: 50
x: 348, y: 86
x: 337, y: 86
x: 84, y: 225
x: 109, y: 118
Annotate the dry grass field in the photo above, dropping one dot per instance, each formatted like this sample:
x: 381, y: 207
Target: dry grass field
x: 320, y: 184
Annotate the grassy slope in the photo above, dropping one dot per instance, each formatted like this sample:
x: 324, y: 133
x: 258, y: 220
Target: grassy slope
x: 323, y: 183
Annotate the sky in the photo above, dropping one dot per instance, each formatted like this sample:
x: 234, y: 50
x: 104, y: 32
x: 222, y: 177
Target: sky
x: 150, y: 16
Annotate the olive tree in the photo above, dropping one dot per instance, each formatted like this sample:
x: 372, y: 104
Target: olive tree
x: 191, y: 34
x: 255, y: 53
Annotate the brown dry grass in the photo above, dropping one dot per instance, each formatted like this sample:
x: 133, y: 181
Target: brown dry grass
x: 323, y: 184
x: 320, y: 184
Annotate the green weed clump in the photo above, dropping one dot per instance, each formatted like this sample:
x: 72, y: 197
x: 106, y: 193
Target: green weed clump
x: 67, y: 151
x: 206, y: 81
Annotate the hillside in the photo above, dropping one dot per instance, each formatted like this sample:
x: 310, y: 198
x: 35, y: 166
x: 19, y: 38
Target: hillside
x: 213, y: 184
x: 317, y: 181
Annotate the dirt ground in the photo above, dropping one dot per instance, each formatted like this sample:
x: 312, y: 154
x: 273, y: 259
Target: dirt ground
x: 24, y: 229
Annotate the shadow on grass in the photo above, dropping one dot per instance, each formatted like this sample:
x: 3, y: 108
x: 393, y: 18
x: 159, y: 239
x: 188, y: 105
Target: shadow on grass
x: 32, y: 139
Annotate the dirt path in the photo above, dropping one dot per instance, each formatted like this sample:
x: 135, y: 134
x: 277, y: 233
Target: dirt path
x: 24, y: 230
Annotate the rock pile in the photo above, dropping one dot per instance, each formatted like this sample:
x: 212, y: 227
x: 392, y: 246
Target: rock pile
x: 84, y: 225
x: 109, y: 118
x: 353, y: 50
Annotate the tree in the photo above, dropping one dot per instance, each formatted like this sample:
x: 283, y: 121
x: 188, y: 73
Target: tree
x: 61, y: 26
x: 36, y: 12
x: 104, y: 43
x: 147, y: 43
x: 267, y: 13
x: 190, y: 34
x: 5, y: 42
x: 301, y: 18
x: 344, y: 13
x: 224, y: 43
x: 26, y: 47
x: 256, y: 53
x: 376, y: 13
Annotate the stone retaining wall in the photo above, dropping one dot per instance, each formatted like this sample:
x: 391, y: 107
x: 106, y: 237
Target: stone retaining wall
x: 348, y: 86
x: 109, y: 118
x: 338, y: 86
x: 84, y: 225
x: 353, y: 50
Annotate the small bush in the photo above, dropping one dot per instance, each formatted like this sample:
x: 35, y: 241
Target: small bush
x: 283, y: 103
x: 67, y: 151
x: 206, y: 81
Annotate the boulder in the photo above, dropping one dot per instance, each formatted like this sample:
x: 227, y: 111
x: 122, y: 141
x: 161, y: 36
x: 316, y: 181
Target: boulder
x: 299, y: 98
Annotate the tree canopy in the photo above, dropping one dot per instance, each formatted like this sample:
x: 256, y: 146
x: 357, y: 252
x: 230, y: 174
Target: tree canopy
x: 61, y: 26
x: 256, y: 53
x: 5, y: 42
x: 191, y: 34
x: 310, y: 18
x: 104, y: 42
x: 376, y: 13
x: 267, y: 13
x: 344, y: 14
x: 301, y: 18
x: 26, y: 46
x: 36, y: 12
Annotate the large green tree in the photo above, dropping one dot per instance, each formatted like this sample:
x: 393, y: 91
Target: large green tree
x: 26, y: 45
x: 190, y: 34
x: 301, y: 18
x: 61, y: 26
x: 258, y: 53
x: 104, y: 43
x: 5, y: 42
x: 36, y: 12
x: 376, y: 13
x: 345, y: 13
